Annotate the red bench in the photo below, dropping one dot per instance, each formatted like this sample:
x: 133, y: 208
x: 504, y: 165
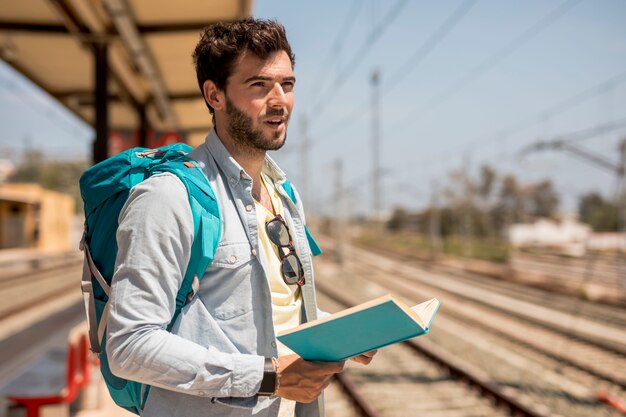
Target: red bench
x: 77, y: 376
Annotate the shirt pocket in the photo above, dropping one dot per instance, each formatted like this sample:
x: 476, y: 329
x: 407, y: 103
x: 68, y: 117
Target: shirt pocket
x: 226, y: 289
x: 232, y: 255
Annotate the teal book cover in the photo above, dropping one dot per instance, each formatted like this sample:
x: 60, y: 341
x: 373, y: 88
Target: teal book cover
x: 365, y: 327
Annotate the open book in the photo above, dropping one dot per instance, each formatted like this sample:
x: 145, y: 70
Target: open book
x: 359, y: 329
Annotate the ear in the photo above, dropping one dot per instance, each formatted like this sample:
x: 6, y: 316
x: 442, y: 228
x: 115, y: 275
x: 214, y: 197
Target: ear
x: 213, y: 95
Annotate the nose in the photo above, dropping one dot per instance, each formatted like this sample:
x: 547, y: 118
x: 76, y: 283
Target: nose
x: 277, y: 96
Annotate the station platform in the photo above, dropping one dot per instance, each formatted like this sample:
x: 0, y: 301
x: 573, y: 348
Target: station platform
x: 104, y: 407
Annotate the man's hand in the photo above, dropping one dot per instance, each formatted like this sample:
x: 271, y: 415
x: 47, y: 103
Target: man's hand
x: 365, y: 358
x: 304, y: 381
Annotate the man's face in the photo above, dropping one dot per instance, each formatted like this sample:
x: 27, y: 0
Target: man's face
x: 259, y: 101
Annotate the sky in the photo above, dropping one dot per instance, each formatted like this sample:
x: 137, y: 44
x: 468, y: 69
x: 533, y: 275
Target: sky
x: 461, y: 83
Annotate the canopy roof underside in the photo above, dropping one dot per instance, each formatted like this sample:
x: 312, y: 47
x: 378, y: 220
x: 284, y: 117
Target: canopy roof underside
x: 150, y: 43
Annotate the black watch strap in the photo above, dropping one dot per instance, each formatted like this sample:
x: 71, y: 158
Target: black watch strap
x: 268, y: 383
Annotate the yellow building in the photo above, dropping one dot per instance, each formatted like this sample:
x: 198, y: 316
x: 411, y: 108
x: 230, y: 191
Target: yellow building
x: 32, y: 217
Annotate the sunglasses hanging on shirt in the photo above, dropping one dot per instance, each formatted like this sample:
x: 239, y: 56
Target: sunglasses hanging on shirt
x: 290, y: 265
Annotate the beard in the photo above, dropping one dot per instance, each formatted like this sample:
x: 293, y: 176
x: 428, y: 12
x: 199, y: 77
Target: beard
x: 241, y: 128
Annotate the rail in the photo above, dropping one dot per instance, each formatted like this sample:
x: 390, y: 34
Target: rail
x: 486, y: 388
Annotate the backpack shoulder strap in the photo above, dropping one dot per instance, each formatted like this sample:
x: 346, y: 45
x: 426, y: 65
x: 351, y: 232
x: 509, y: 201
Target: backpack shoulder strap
x: 315, y: 248
x: 206, y: 220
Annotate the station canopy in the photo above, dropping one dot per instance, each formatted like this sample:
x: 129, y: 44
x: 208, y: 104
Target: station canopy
x: 149, y: 44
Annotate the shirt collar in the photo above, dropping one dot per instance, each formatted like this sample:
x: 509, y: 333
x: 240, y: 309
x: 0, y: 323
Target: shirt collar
x: 231, y: 167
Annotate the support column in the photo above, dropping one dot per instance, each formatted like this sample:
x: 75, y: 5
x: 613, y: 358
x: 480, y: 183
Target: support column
x: 101, y: 67
x: 143, y: 126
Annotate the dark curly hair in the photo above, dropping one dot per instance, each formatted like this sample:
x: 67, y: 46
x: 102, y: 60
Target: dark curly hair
x: 222, y: 43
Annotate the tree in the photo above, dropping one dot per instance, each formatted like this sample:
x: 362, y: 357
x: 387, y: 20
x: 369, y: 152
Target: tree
x: 543, y: 199
x: 509, y: 207
x: 602, y: 215
x: 398, y: 220
x: 59, y: 176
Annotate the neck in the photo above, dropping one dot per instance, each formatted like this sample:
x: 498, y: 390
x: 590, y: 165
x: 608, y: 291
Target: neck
x: 251, y: 160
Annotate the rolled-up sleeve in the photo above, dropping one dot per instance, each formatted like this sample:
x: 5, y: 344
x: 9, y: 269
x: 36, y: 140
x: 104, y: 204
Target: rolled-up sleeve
x: 154, y: 239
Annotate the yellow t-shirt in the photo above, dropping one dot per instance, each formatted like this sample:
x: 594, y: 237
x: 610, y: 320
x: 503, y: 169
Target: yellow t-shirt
x: 286, y: 299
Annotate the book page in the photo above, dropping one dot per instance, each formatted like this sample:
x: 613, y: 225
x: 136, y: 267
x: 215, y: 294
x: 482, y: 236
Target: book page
x: 425, y: 311
x: 342, y: 313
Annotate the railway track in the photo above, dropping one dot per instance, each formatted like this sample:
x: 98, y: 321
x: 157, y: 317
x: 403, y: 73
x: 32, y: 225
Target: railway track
x: 414, y: 379
x: 611, y: 315
x: 606, y: 313
x: 603, y: 325
x: 603, y: 270
x: 24, y: 290
x: 542, y: 373
x: 539, y: 365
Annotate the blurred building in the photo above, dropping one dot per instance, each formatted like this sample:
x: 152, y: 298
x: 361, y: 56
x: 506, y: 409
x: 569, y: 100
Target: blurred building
x: 32, y: 217
x: 6, y: 168
x: 568, y: 236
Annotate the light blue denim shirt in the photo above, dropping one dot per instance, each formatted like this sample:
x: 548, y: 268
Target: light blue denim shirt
x: 211, y: 364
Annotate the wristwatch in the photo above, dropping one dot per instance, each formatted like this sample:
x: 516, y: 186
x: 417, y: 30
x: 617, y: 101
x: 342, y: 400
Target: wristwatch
x: 270, y: 379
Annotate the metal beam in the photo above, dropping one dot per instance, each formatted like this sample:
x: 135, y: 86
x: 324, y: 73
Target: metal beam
x: 143, y: 126
x: 125, y: 25
x: 86, y: 96
x: 33, y: 79
x: 177, y: 27
x: 33, y: 27
x: 101, y: 64
x: 144, y: 29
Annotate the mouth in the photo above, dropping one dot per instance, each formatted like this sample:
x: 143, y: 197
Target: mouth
x: 275, y: 122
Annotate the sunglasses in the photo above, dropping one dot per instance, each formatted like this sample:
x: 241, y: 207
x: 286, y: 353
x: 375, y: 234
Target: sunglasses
x: 290, y: 265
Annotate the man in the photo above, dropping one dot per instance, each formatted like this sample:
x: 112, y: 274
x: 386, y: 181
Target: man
x: 221, y: 357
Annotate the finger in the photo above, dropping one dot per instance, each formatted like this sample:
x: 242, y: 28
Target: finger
x: 362, y: 359
x: 371, y: 353
x: 332, y: 367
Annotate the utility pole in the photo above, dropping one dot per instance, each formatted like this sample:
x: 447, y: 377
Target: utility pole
x: 340, y: 210
x: 467, y: 208
x: 435, y: 221
x: 621, y: 195
x: 376, y: 172
x: 305, y: 160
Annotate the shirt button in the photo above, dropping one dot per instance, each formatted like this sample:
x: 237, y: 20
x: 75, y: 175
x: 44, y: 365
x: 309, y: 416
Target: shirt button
x: 201, y: 393
x: 253, y: 252
x: 232, y: 259
x: 274, y: 344
x: 233, y: 180
x: 249, y: 207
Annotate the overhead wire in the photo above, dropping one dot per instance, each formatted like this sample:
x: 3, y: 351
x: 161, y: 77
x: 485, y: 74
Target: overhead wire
x: 326, y: 95
x: 491, y: 61
x: 427, y: 47
x: 413, y: 61
x: 339, y: 41
x: 549, y: 112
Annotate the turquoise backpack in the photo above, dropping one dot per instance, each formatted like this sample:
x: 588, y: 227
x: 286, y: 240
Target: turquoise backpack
x: 104, y: 189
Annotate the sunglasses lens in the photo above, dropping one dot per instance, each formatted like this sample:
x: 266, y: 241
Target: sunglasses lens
x: 292, y: 269
x: 278, y: 233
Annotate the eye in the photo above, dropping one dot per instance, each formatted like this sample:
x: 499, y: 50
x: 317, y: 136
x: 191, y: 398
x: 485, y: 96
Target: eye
x: 288, y: 85
x: 258, y: 84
